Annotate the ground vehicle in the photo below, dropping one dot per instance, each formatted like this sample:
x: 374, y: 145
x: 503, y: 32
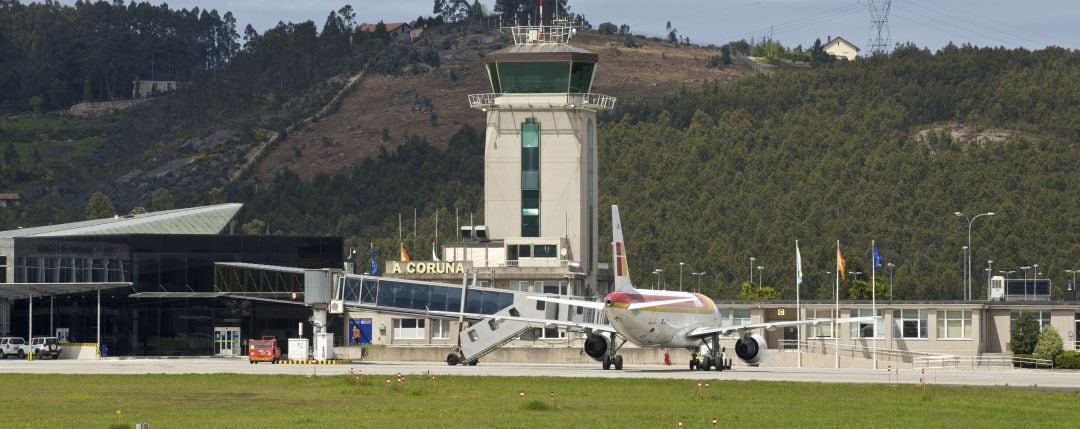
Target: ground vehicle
x: 12, y: 346
x: 45, y: 346
x: 264, y: 350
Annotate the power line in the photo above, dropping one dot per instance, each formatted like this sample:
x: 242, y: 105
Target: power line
x: 933, y: 11
x: 997, y: 27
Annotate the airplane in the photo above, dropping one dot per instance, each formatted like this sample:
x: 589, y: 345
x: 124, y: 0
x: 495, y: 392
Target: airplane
x: 660, y: 318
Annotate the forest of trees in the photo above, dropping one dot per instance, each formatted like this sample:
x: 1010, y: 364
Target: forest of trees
x: 829, y: 153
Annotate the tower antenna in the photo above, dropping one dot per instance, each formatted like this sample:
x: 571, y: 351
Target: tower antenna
x: 879, y: 25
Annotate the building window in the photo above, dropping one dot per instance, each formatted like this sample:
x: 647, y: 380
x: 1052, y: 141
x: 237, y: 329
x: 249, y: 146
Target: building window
x: 530, y: 179
x: 740, y: 316
x: 1043, y: 317
x: 866, y: 329
x: 408, y: 329
x: 1076, y: 329
x: 544, y: 251
x: 823, y: 330
x: 440, y: 329
x: 553, y: 334
x: 520, y: 286
x: 551, y: 287
x: 954, y: 324
x: 910, y: 324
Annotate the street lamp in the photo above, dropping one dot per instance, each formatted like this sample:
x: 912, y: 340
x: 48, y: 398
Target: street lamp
x: 752, y: 259
x: 1073, y: 272
x: 657, y: 272
x: 891, y: 267
x: 680, y: 275
x: 967, y: 280
x: 760, y: 278
x: 698, y: 280
x: 855, y: 273
x: 964, y: 264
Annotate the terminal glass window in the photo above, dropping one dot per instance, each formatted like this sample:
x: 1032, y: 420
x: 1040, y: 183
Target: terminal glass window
x: 954, y: 324
x: 866, y: 329
x: 493, y: 74
x: 910, y: 324
x: 824, y: 330
x: 544, y: 251
x: 534, y: 77
x: 581, y: 77
x: 530, y: 179
x: 409, y: 329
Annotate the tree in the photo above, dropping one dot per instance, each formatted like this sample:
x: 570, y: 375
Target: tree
x: 99, y: 207
x: 35, y: 103
x: 255, y: 227
x: 137, y: 210
x: 624, y: 30
x: 750, y: 292
x: 217, y: 195
x: 161, y: 199
x: 860, y: 289
x: 86, y: 89
x: 1049, y: 344
x: 607, y: 28
x: 1024, y: 334
x: 11, y: 156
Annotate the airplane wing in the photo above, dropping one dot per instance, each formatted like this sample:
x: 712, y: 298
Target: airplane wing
x: 705, y: 331
x: 600, y: 306
x: 529, y: 320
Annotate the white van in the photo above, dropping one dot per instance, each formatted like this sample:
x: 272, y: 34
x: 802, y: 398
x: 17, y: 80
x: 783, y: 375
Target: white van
x: 13, y: 346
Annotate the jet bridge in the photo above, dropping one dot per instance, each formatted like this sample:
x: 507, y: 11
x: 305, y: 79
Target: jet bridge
x: 414, y: 297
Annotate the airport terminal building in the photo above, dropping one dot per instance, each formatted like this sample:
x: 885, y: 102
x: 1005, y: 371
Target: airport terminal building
x: 156, y: 277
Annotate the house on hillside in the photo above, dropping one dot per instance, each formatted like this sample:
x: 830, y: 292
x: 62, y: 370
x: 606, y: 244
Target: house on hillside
x: 841, y: 49
x: 146, y: 88
x: 9, y: 199
x: 399, y: 31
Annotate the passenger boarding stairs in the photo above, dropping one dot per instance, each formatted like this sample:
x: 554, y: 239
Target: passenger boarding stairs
x: 438, y: 300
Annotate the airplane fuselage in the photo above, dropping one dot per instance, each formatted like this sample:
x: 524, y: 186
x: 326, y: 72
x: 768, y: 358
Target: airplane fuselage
x: 662, y: 325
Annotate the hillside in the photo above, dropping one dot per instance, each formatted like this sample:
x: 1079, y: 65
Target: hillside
x: 403, y: 104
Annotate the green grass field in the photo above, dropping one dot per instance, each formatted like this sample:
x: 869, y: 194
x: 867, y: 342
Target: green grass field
x: 286, y: 401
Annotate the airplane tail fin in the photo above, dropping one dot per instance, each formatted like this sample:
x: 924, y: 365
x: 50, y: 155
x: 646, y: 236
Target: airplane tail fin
x: 622, y: 269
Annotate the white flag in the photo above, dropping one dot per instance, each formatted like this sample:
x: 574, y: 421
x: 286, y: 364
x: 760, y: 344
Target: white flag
x: 434, y: 256
x: 798, y: 264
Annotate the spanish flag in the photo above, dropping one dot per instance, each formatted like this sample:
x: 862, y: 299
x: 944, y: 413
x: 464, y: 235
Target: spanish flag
x: 404, y: 253
x: 839, y: 260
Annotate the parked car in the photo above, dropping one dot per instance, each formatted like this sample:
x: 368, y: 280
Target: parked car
x: 12, y: 346
x: 45, y: 346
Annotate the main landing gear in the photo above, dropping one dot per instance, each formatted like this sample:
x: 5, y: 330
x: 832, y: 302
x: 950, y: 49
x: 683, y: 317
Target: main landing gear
x: 712, y: 356
x: 612, y: 358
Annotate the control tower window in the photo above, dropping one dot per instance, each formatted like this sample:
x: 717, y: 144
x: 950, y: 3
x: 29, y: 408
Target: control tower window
x: 530, y: 178
x: 534, y: 77
x: 581, y: 75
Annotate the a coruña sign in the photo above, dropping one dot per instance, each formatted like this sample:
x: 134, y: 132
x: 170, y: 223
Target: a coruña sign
x: 425, y: 267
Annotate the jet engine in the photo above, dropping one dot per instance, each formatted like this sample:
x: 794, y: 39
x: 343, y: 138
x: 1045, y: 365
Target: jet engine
x: 596, y: 345
x: 750, y: 348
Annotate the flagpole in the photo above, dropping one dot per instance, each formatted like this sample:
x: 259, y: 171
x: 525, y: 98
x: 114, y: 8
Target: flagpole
x: 798, y: 308
x: 873, y: 293
x: 836, y: 317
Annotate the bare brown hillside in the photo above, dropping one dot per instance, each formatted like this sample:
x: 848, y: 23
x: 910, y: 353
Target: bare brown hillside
x: 403, y: 105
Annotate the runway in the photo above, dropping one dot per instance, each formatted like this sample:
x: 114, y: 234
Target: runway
x: 1027, y: 378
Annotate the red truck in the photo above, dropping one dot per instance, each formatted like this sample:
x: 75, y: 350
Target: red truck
x: 264, y: 350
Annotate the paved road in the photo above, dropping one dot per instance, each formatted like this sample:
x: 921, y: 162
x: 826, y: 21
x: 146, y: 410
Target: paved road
x: 1058, y: 379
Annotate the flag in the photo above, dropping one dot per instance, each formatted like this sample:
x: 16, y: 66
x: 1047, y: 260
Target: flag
x: 434, y: 255
x: 374, y: 264
x: 798, y: 265
x: 840, y: 262
x: 404, y: 253
x: 878, y: 260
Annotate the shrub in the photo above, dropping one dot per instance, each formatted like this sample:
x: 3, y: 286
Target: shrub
x: 1069, y: 359
x: 1049, y: 345
x: 1018, y: 363
x: 1024, y: 334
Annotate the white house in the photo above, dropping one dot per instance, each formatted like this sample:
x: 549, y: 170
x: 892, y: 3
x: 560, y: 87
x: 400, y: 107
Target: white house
x: 841, y: 49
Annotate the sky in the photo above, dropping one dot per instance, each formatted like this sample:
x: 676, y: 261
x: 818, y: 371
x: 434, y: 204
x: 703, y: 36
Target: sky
x: 927, y: 23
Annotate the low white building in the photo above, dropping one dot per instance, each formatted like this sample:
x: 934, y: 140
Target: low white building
x: 840, y: 48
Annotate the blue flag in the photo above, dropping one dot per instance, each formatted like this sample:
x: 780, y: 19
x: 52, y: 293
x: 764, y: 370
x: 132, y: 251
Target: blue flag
x: 374, y: 264
x: 878, y: 260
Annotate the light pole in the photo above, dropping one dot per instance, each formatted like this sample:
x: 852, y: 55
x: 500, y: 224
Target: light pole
x: 1073, y: 272
x: 752, y: 259
x: 680, y: 275
x: 855, y: 273
x: 967, y: 281
x: 657, y: 272
x: 1025, y: 280
x: 989, y: 273
x: 964, y: 265
x: 698, y: 280
x: 891, y: 267
x: 760, y: 278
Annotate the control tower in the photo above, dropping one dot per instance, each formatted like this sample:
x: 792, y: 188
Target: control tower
x: 540, y: 160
